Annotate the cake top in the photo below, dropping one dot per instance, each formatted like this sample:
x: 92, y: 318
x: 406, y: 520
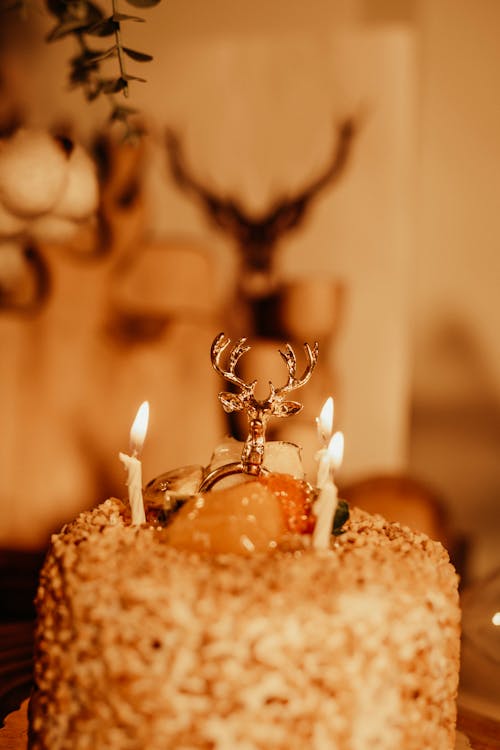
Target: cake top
x: 271, y: 508
x: 370, y: 553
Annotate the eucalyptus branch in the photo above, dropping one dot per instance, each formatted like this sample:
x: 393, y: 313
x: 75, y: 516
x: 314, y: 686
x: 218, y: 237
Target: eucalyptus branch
x: 119, y: 49
x: 83, y: 18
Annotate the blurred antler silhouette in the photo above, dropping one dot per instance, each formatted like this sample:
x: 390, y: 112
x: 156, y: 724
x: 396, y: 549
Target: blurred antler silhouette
x: 257, y: 237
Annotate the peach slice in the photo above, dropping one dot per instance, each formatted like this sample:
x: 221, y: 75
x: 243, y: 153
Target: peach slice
x: 242, y: 519
x: 296, y: 498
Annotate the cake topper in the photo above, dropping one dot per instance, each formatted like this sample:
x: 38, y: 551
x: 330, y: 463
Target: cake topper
x: 258, y: 410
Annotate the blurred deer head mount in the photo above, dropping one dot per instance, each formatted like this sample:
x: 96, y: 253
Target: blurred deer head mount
x: 258, y: 237
x: 258, y: 411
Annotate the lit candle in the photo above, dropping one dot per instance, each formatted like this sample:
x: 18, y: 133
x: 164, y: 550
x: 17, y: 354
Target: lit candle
x: 133, y: 465
x: 325, y: 428
x: 325, y: 422
x: 326, y: 504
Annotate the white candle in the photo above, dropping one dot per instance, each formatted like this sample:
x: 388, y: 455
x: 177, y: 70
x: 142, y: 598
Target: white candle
x: 133, y: 465
x: 325, y: 428
x: 326, y: 504
x: 324, y: 468
x: 325, y: 422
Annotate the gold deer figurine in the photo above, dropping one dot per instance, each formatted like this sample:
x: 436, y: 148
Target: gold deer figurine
x: 258, y: 410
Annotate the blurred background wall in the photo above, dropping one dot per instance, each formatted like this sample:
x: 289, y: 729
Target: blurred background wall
x: 407, y: 238
x: 455, y: 427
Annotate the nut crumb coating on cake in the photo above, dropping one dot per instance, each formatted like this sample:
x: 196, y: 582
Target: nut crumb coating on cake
x: 143, y: 647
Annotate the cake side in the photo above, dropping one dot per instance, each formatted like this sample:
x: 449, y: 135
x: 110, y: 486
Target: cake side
x: 139, y: 645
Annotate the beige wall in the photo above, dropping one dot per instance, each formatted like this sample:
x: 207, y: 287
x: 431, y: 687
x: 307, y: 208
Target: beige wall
x: 456, y: 378
x: 458, y: 260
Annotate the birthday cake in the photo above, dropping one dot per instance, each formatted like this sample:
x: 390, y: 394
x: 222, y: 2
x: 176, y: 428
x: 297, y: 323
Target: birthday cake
x: 218, y: 624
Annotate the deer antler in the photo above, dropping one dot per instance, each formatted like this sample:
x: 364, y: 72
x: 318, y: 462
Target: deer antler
x: 291, y: 362
x: 258, y: 236
x: 223, y: 212
x: 218, y: 348
x: 257, y: 411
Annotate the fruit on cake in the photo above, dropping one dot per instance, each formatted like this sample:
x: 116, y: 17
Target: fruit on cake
x: 218, y: 624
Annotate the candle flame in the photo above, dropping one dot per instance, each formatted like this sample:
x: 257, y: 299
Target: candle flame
x: 496, y: 619
x: 139, y: 427
x: 336, y: 450
x: 325, y: 421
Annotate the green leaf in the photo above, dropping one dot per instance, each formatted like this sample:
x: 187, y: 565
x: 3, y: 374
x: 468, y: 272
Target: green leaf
x: 74, y: 17
x: 113, y: 85
x: 134, y: 78
x: 124, y: 110
x: 143, y: 3
x: 103, y: 28
x: 81, y: 68
x: 124, y: 17
x: 92, y: 93
x: 79, y: 9
x: 94, y: 56
x: 118, y: 114
x: 137, y: 56
x: 83, y: 10
x: 121, y: 113
x: 63, y: 29
x: 341, y: 516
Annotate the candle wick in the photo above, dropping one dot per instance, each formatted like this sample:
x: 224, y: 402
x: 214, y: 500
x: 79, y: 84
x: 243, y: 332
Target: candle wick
x: 133, y: 450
